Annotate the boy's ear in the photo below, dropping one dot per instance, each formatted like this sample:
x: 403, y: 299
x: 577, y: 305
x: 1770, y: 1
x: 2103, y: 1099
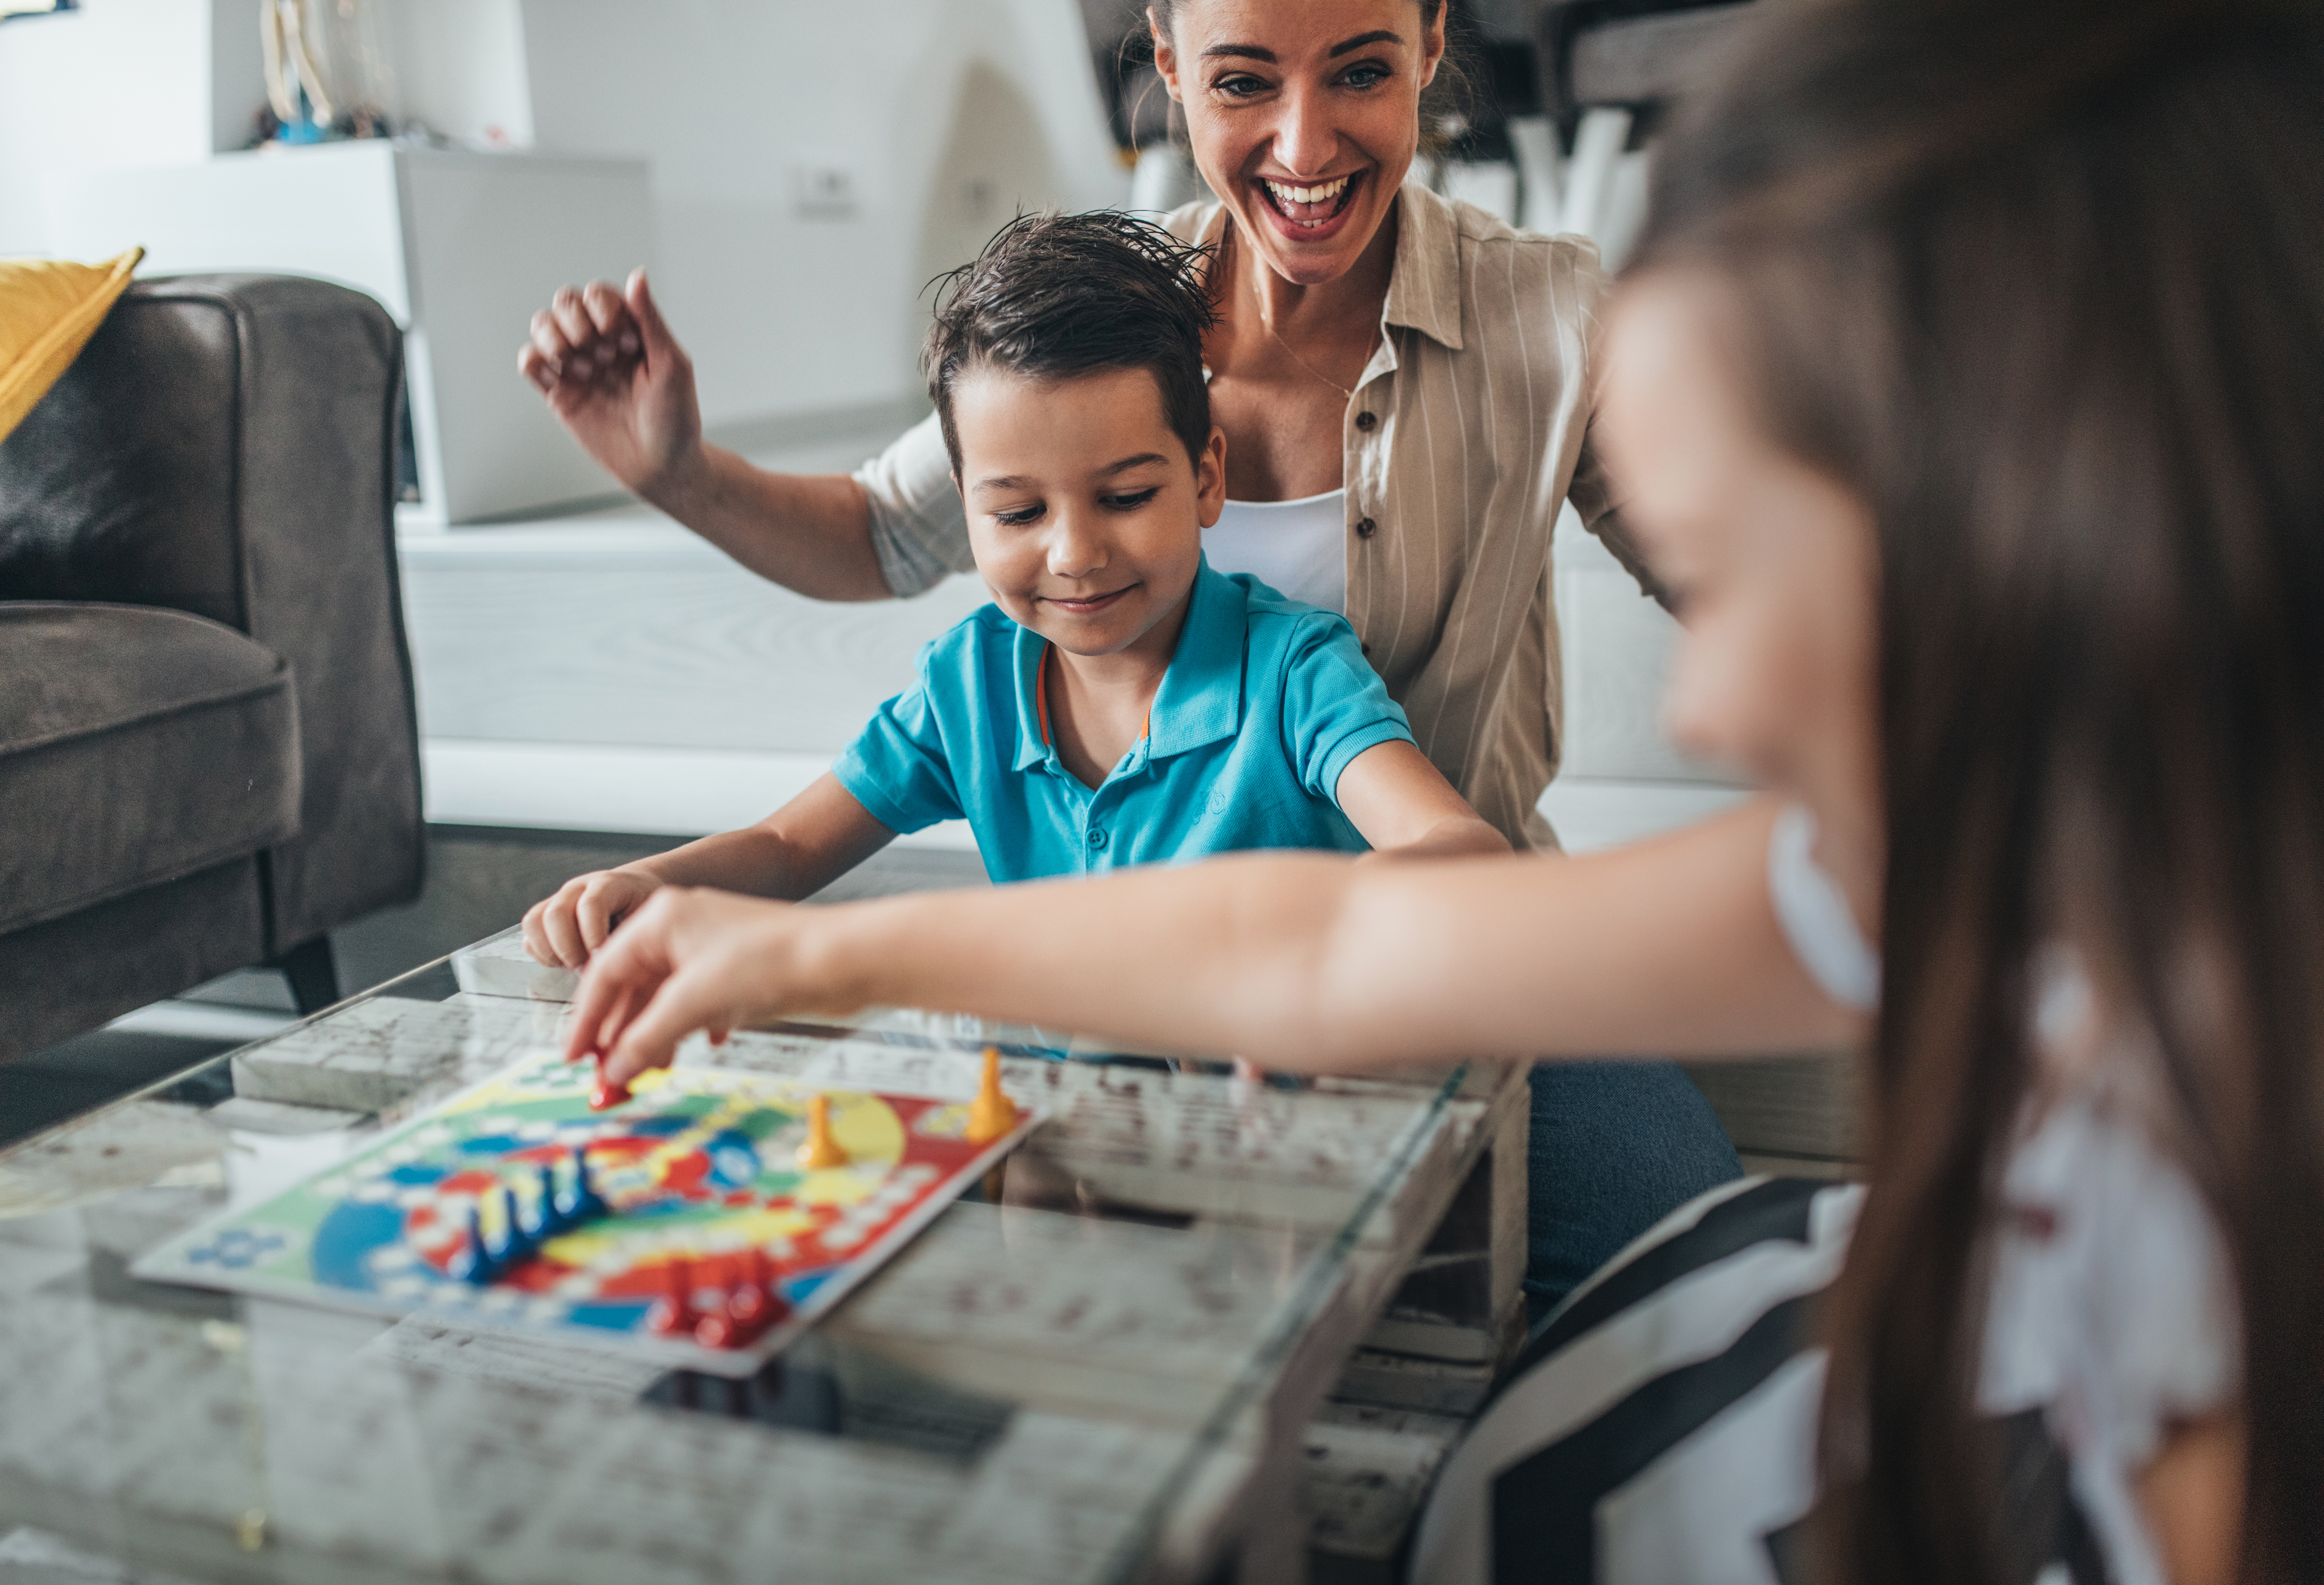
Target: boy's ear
x: 1211, y: 478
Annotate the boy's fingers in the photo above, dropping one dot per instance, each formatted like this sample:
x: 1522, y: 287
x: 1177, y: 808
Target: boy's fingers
x: 593, y: 914
x: 536, y: 943
x: 563, y: 939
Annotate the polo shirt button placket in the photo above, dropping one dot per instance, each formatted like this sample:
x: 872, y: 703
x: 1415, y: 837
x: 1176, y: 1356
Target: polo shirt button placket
x: 1097, y: 839
x: 1367, y: 422
x: 1366, y: 528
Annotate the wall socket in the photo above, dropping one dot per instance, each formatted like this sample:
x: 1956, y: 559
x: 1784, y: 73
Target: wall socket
x: 825, y: 190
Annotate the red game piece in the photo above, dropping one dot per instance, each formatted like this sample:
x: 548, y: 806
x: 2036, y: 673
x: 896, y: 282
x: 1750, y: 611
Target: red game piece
x: 607, y: 1093
x: 672, y: 1314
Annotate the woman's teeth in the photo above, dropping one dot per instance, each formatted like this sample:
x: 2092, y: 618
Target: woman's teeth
x: 1322, y: 193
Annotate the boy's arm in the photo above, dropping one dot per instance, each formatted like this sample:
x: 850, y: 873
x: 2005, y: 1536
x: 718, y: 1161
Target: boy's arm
x: 1298, y: 961
x: 1406, y: 808
x: 793, y: 853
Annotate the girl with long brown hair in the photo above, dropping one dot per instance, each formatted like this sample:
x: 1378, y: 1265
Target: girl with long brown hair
x: 1968, y: 385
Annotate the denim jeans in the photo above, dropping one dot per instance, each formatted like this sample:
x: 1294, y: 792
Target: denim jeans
x: 1616, y: 1147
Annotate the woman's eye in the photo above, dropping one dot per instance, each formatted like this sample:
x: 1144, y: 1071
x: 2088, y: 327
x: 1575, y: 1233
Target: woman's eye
x: 1134, y: 500
x: 1365, y: 77
x: 1240, y: 85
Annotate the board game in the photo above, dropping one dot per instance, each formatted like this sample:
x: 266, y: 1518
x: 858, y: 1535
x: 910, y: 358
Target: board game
x: 704, y: 1222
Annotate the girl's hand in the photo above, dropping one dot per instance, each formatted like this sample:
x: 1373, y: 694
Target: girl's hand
x: 689, y: 959
x: 564, y: 929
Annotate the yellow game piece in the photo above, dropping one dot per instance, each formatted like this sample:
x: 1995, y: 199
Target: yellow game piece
x: 821, y: 1150
x: 991, y: 1115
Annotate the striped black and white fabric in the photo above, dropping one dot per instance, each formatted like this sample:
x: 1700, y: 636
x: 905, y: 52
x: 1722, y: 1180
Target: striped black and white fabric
x: 1662, y: 1428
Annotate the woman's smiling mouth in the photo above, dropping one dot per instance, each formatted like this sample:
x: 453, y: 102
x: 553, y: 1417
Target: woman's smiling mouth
x: 1312, y: 206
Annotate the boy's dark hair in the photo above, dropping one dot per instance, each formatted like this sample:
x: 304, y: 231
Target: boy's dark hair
x: 1055, y: 297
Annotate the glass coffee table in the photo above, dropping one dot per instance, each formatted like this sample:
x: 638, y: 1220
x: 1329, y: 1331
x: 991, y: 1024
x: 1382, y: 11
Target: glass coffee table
x: 1097, y: 1367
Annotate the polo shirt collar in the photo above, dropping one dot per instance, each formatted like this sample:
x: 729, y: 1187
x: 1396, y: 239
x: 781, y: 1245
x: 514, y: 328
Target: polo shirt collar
x: 1199, y: 701
x: 1424, y: 288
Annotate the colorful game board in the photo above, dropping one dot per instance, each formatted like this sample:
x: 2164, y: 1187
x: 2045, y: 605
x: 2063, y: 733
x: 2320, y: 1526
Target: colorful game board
x: 680, y: 1223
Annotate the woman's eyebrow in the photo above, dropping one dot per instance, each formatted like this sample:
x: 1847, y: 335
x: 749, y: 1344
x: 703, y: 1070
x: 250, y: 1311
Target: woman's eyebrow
x: 1260, y: 52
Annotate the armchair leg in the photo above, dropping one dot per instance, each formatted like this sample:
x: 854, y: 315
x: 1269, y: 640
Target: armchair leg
x: 314, y: 977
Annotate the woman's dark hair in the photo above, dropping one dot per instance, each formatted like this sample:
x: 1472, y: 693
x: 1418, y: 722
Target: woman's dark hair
x: 1055, y: 297
x: 2043, y: 284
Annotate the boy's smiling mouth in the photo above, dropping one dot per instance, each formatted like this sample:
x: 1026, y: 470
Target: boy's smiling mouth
x: 1084, y: 605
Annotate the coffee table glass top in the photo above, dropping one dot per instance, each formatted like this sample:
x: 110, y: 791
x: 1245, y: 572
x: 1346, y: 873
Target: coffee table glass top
x: 1057, y: 1381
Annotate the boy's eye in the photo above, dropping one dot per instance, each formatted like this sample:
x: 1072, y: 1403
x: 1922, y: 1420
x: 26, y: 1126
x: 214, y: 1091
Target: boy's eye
x: 1019, y: 517
x: 1133, y: 501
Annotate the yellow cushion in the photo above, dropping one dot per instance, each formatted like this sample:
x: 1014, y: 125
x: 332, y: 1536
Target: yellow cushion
x: 48, y: 310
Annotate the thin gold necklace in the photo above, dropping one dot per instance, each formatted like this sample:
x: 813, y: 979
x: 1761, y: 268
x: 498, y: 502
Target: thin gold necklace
x: 1260, y: 296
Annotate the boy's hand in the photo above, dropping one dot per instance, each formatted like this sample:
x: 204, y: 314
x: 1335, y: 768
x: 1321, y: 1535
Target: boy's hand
x: 691, y: 959
x: 564, y: 929
x: 616, y: 377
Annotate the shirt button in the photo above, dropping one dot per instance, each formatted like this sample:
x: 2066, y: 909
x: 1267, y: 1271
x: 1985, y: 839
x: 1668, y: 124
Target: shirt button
x: 1097, y: 839
x: 1366, y: 528
x: 1367, y: 422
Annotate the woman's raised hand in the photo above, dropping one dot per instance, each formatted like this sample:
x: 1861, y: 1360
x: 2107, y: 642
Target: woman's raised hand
x: 614, y: 375
x: 691, y: 959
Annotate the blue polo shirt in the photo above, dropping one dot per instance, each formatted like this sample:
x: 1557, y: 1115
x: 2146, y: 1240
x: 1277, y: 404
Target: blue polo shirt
x: 1265, y: 703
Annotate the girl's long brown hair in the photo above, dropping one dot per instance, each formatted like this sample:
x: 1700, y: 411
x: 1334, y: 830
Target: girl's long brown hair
x: 2043, y: 282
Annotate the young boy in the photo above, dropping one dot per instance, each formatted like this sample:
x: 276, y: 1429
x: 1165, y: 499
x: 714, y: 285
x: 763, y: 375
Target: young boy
x: 1119, y: 702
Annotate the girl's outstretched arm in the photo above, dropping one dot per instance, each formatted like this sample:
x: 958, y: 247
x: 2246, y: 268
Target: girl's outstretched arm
x: 1297, y: 962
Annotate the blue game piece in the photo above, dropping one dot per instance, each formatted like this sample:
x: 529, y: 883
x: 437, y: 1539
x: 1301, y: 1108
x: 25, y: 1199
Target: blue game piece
x: 545, y: 1223
x: 473, y: 1261
x: 514, y: 1245
x: 580, y: 1202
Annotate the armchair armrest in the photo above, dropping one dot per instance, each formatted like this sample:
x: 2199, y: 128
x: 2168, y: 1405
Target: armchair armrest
x: 224, y: 445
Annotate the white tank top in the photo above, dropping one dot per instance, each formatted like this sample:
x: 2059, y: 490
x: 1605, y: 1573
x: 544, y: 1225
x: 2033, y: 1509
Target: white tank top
x: 1299, y: 549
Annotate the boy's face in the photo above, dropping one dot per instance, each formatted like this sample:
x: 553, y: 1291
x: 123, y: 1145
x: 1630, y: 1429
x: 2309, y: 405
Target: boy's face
x: 1084, y: 511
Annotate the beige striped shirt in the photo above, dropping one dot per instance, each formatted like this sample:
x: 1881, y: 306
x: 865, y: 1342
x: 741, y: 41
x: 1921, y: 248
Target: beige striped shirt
x: 1463, y: 437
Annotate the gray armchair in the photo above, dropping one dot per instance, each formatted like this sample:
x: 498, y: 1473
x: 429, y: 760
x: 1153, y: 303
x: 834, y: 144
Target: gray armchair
x: 207, y: 750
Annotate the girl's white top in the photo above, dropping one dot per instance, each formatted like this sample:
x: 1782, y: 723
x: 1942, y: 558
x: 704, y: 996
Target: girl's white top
x: 2113, y: 1305
x: 1299, y: 549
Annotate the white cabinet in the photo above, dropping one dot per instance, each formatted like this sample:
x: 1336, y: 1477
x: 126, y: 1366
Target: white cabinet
x: 460, y: 246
